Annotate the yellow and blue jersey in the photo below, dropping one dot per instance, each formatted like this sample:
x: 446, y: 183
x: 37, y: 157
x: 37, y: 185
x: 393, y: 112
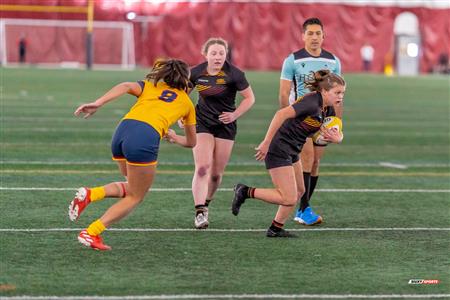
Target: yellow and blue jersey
x: 161, y: 106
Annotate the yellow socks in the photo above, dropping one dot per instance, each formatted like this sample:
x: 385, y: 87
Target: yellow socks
x: 96, y: 228
x: 97, y: 193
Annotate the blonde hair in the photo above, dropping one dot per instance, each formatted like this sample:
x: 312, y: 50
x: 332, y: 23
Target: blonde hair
x: 213, y: 41
x: 324, y: 80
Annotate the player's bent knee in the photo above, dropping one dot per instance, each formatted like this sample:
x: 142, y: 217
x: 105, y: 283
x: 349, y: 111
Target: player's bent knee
x: 216, y: 178
x: 202, y: 171
x: 290, y: 201
x: 316, y: 163
x: 135, y: 199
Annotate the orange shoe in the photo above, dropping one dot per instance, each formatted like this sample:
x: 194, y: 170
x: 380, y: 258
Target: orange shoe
x: 95, y: 242
x: 79, y: 203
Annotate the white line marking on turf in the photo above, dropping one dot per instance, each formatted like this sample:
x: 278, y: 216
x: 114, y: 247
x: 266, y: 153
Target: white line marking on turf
x: 4, y: 188
x: 392, y: 165
x: 221, y: 230
x: 234, y: 296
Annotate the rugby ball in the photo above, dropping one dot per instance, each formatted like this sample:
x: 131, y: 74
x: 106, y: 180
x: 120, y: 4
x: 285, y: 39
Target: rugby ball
x: 329, y: 122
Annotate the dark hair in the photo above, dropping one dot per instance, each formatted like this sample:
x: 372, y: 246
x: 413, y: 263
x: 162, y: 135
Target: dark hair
x: 174, y: 72
x: 324, y: 80
x: 312, y: 21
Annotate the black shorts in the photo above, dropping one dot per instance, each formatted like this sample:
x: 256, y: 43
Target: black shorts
x: 273, y: 160
x: 223, y: 131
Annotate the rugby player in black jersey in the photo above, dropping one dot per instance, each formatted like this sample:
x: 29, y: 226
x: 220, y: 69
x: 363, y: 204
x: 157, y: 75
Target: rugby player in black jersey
x: 297, y: 68
x: 217, y: 82
x: 287, y: 133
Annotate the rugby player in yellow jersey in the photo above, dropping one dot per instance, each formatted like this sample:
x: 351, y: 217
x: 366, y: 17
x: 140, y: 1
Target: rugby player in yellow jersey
x: 162, y: 100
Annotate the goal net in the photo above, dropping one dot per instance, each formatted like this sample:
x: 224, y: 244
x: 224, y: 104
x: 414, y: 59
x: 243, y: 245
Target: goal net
x: 63, y: 43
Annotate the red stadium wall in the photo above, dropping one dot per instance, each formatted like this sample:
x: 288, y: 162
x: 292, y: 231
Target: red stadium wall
x: 262, y: 34
x: 50, y: 45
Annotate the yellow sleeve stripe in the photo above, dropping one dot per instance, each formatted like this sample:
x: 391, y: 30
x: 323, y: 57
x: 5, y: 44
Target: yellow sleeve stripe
x: 202, y: 87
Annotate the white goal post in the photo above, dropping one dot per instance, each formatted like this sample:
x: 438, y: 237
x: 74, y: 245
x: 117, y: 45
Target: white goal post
x: 63, y: 43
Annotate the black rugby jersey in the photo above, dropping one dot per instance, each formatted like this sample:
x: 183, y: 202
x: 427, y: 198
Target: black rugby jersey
x: 292, y: 134
x: 217, y: 93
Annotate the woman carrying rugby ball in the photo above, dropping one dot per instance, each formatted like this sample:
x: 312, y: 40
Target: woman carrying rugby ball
x: 283, y: 142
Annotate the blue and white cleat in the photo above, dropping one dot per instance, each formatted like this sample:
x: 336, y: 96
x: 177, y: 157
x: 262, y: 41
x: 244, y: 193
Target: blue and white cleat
x: 308, y: 217
x: 298, y: 216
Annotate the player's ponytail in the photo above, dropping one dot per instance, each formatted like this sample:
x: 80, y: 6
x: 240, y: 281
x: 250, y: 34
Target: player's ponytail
x: 174, y: 72
x: 324, y: 80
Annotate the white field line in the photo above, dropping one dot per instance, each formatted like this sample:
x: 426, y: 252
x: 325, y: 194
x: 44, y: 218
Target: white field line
x: 225, y: 230
x: 235, y: 296
x: 232, y: 163
x: 392, y: 165
x: 3, y: 188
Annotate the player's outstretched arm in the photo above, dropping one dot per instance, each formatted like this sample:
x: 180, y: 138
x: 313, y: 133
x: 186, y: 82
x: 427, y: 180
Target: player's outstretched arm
x: 88, y: 109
